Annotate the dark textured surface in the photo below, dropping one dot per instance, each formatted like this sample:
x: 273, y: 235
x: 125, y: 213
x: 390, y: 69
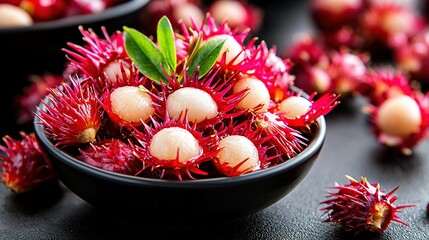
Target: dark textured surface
x: 350, y: 149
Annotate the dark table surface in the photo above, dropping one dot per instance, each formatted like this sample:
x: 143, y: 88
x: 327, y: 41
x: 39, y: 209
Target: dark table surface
x: 350, y: 149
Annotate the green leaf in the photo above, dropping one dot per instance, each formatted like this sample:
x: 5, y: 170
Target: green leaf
x: 205, y: 56
x: 145, y: 54
x: 166, y: 43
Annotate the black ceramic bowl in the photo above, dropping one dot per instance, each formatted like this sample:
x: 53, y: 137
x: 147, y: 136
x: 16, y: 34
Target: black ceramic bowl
x: 37, y: 49
x: 207, y: 201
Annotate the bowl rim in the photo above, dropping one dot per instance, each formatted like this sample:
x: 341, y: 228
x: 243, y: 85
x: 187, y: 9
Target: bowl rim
x: 111, y: 12
x: 315, y: 145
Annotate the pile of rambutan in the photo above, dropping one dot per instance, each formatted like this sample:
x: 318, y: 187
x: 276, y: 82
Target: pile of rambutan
x: 373, y: 49
x: 188, y: 103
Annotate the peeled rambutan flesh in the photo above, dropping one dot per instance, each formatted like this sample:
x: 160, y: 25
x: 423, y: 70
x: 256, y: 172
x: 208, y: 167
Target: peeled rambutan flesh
x: 198, y: 104
x: 237, y: 155
x: 13, y: 16
x: 257, y: 96
x: 362, y: 206
x: 24, y: 166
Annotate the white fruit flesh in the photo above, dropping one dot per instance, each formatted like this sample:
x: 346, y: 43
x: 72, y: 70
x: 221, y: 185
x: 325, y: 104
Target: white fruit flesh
x: 257, y: 94
x: 236, y: 149
x: 399, y: 116
x: 114, y: 69
x: 169, y: 142
x: 13, y: 16
x: 294, y: 106
x: 232, y: 11
x: 131, y: 104
x: 200, y: 104
x: 232, y: 48
x: 188, y: 11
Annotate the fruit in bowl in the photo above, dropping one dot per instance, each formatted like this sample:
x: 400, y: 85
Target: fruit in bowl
x: 192, y: 118
x: 36, y: 49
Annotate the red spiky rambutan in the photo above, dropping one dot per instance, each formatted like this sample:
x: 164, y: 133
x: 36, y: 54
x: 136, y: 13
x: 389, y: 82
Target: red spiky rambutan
x: 362, y: 206
x: 99, y: 57
x: 72, y: 115
x: 401, y: 122
x: 38, y: 88
x: 112, y: 155
x: 287, y: 141
x: 390, y: 24
x: 23, y: 163
x: 173, y: 148
x: 329, y: 15
x: 383, y: 82
x: 413, y: 57
x: 300, y: 112
x: 346, y: 70
x: 273, y: 71
x: 241, y: 149
x: 345, y: 37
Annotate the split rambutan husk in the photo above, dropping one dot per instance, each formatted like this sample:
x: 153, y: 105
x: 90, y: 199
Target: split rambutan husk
x: 244, y: 128
x: 173, y: 168
x: 112, y: 155
x: 72, y: 115
x: 403, y: 143
x: 24, y: 165
x: 219, y: 91
x: 319, y: 107
x: 93, y: 59
x: 362, y: 206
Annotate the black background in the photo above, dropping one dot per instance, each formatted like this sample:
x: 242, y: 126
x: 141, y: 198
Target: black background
x: 350, y: 149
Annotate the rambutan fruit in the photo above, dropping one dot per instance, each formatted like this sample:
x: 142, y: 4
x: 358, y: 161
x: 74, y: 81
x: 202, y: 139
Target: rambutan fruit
x: 413, y: 58
x: 383, y: 82
x: 362, y: 206
x: 300, y: 112
x: 23, y: 163
x: 206, y: 101
x: 31, y: 95
x: 128, y: 105
x: 173, y: 148
x: 390, y: 24
x: 241, y: 149
x: 99, y: 57
x: 112, y: 155
x: 400, y: 122
x: 72, y: 115
x: 329, y: 15
x: 346, y: 70
x: 257, y: 97
x: 286, y: 140
x: 239, y: 14
x: 13, y: 16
